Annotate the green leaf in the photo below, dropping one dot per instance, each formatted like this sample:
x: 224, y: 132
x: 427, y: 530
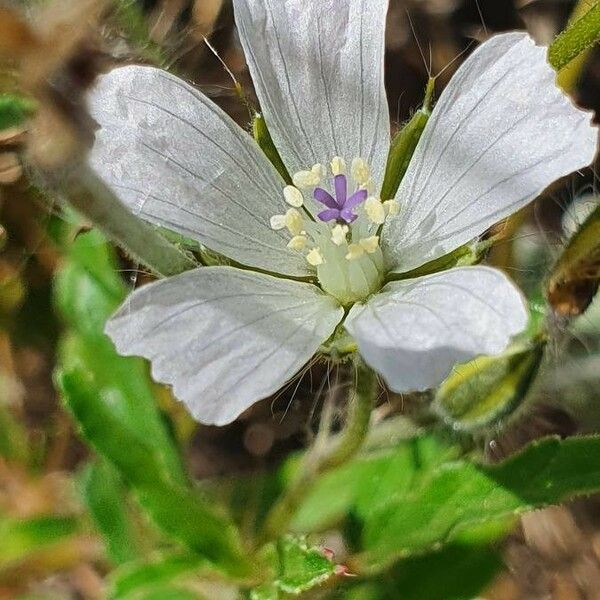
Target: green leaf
x: 456, y: 573
x: 296, y: 566
x: 112, y: 400
x: 461, y: 494
x: 369, y: 482
x: 19, y: 538
x: 176, y: 510
x: 576, y: 38
x: 403, y: 146
x: 265, y: 141
x: 139, y: 576
x: 484, y: 391
x: 105, y: 496
x: 167, y: 592
x: 14, y: 110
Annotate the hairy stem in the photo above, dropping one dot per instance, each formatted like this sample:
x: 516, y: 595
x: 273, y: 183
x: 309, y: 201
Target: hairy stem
x: 94, y: 200
x: 316, y: 462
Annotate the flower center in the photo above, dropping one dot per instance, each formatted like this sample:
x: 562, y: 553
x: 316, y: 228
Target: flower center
x: 337, y: 229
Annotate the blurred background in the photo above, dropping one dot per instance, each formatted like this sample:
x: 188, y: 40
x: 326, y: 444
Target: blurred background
x: 53, y: 56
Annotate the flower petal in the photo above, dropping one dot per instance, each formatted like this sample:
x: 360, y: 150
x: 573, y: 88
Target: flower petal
x: 179, y: 161
x: 501, y: 132
x: 416, y: 330
x: 318, y: 72
x: 224, y: 338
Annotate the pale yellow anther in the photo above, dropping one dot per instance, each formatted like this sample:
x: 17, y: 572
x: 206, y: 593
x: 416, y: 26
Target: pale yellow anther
x: 360, y: 171
x: 277, y: 222
x: 294, y: 221
x: 392, y: 207
x: 306, y: 179
x: 293, y: 196
x: 338, y: 234
x: 338, y: 165
x: 354, y: 251
x: 370, y: 244
x: 320, y: 171
x: 374, y: 209
x: 314, y: 257
x: 298, y: 242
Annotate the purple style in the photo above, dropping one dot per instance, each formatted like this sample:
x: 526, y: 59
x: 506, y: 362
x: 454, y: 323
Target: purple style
x: 340, y: 207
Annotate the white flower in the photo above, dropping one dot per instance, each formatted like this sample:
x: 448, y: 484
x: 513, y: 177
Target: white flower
x: 226, y: 337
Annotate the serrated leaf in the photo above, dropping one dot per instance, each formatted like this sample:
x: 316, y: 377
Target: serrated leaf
x: 369, y: 482
x: 297, y: 568
x: 484, y: 391
x: 104, y: 493
x: 460, y: 494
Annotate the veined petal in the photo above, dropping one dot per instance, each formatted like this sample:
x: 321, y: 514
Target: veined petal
x: 501, y: 132
x: 224, y: 338
x: 179, y: 161
x: 318, y: 72
x: 416, y: 330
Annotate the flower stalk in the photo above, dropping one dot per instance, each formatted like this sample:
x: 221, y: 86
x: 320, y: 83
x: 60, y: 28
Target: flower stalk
x: 95, y: 201
x: 317, y: 462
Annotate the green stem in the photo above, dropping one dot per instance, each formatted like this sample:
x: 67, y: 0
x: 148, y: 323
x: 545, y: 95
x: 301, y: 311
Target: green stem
x: 95, y: 201
x: 316, y: 463
x: 576, y: 38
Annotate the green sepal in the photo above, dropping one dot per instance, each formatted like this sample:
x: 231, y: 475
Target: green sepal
x: 485, y: 391
x: 263, y: 138
x: 463, y: 256
x: 403, y: 146
x: 575, y: 39
x: 574, y: 279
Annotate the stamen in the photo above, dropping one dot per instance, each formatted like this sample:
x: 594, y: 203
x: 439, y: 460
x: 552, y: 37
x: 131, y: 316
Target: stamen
x: 294, y: 221
x: 375, y: 210
x: 306, y: 179
x: 370, y: 244
x: 392, y: 207
x: 298, y: 242
x: 314, y: 257
x: 293, y: 196
x: 360, y: 171
x: 354, y: 251
x: 338, y: 234
x: 338, y: 165
x: 277, y: 222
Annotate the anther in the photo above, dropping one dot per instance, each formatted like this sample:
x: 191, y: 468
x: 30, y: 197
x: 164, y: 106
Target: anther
x: 277, y: 222
x: 392, y: 207
x: 306, y: 179
x: 338, y: 234
x: 375, y: 210
x: 294, y: 221
x: 338, y: 165
x: 370, y: 244
x: 293, y: 196
x: 360, y: 171
x: 298, y: 242
x: 314, y: 257
x: 354, y: 251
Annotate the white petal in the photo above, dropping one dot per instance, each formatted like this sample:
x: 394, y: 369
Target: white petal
x: 222, y: 337
x: 179, y: 161
x: 416, y: 330
x: 501, y: 132
x: 318, y: 71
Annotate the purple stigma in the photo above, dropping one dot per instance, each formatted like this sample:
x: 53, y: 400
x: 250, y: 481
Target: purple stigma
x: 340, y: 207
